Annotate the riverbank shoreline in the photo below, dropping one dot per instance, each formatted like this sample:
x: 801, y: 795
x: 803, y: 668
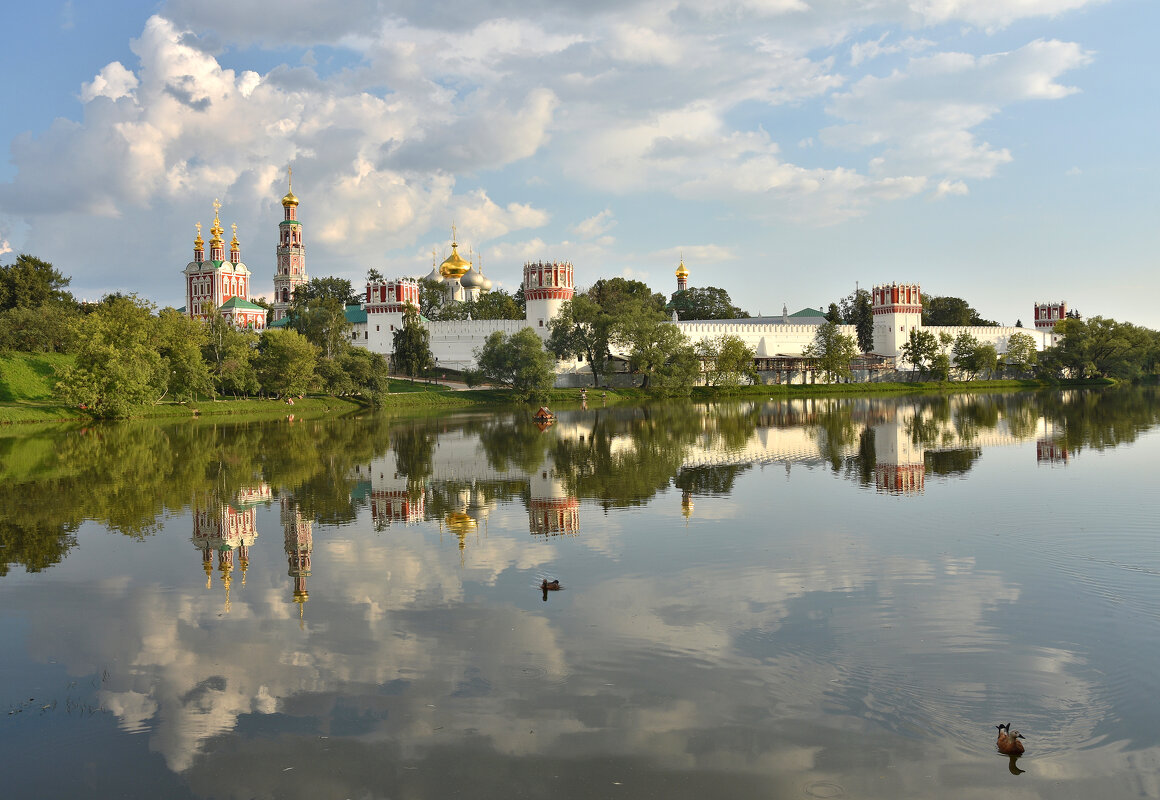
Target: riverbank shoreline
x: 417, y: 395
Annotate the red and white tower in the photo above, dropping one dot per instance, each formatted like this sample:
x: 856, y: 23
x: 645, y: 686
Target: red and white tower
x: 897, y: 311
x: 386, y: 303
x: 1048, y: 315
x: 291, y: 254
x: 546, y: 287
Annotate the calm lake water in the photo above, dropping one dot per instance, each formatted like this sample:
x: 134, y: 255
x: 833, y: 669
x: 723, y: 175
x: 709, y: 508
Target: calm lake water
x: 809, y: 599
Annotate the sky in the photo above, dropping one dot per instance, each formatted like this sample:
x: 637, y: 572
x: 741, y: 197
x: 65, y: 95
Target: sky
x: 1002, y: 151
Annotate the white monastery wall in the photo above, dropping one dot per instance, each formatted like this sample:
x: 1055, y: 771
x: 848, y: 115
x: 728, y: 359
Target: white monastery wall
x: 454, y: 342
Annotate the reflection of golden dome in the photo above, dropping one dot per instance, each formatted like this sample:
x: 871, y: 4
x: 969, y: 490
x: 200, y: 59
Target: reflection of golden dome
x: 454, y: 265
x: 682, y: 270
x: 459, y: 522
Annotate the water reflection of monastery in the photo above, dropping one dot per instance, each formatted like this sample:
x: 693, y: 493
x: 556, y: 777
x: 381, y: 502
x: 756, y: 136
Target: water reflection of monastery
x: 226, y: 531
x: 898, y: 444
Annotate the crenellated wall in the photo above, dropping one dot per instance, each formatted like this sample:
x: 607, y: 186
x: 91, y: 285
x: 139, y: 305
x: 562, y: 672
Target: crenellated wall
x: 766, y: 339
x: 454, y: 342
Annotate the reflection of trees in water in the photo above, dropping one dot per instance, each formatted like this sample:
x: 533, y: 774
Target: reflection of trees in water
x: 860, y: 467
x: 414, y: 447
x: 126, y: 475
x: 709, y: 481
x: 951, y: 462
x: 1101, y: 418
x: 836, y: 432
x: 512, y: 442
x: 658, y: 439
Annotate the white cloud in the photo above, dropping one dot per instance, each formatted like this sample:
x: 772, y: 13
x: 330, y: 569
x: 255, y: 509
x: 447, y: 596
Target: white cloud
x: 921, y: 118
x: 874, y: 48
x: 596, y: 225
x: 381, y: 114
x: 113, y: 81
x: 949, y: 187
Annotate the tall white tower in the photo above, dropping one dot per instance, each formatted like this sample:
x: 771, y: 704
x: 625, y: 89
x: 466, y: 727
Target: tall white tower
x: 546, y: 287
x: 897, y: 312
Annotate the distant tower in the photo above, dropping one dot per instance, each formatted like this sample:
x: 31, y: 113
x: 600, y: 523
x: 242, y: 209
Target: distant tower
x: 546, y: 287
x: 897, y: 312
x: 386, y: 302
x: 1048, y: 315
x: 299, y: 543
x: 682, y: 276
x: 290, y: 272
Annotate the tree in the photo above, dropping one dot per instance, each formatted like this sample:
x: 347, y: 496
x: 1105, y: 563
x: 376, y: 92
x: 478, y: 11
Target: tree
x: 1100, y: 347
x: 966, y: 354
x: 707, y: 302
x: 37, y: 330
x: 581, y: 330
x: 180, y: 339
x: 118, y: 366
x: 519, y: 362
x: 1018, y: 323
x: 368, y: 373
x: 32, y: 283
x: 495, y: 304
x: 726, y: 361
x: 614, y: 294
x: 432, y: 298
x: 1021, y: 353
x: 833, y: 314
x: 228, y: 353
x: 411, y: 345
x: 858, y: 310
x: 285, y: 362
x: 833, y: 350
x: 952, y: 312
x: 920, y: 349
x: 659, y: 351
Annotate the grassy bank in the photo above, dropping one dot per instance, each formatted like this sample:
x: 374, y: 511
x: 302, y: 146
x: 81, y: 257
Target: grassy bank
x: 27, y: 381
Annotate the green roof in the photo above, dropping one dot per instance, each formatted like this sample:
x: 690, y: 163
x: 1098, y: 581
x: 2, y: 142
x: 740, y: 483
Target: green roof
x: 241, y: 304
x: 279, y: 323
x: 808, y: 312
x: 356, y: 315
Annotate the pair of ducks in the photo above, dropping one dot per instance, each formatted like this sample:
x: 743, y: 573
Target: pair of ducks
x: 1008, y: 741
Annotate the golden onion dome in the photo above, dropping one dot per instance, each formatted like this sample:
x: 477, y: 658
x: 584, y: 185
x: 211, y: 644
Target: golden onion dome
x: 682, y: 270
x: 289, y: 200
x: 199, y: 243
x: 454, y: 266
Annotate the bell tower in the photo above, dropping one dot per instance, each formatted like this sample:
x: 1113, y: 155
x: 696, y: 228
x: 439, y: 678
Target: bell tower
x: 290, y: 272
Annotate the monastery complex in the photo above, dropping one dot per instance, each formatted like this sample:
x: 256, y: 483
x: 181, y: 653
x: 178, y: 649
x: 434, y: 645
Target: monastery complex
x: 778, y: 342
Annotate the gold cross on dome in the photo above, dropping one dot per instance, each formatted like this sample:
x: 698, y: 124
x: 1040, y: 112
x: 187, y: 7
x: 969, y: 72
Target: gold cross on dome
x: 198, y: 224
x: 216, y: 207
x: 234, y: 227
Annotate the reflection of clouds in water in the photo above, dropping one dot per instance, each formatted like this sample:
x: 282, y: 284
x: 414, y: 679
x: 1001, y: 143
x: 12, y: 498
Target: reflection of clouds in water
x: 735, y: 680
